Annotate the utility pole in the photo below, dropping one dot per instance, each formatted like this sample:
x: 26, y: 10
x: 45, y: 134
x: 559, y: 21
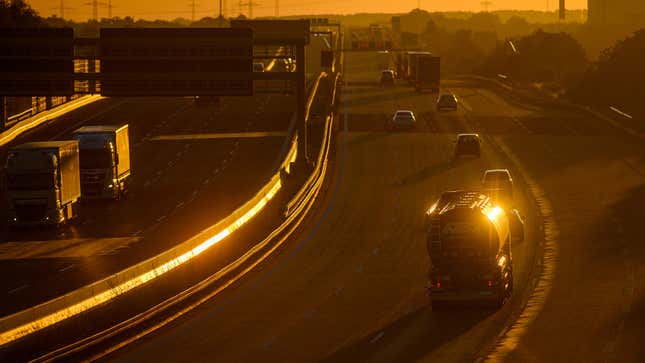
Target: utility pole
x: 277, y: 8
x: 109, y: 6
x: 221, y: 9
x: 193, y: 4
x: 563, y: 10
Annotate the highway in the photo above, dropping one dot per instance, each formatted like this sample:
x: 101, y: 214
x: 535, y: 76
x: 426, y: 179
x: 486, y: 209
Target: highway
x: 179, y: 187
x: 351, y: 285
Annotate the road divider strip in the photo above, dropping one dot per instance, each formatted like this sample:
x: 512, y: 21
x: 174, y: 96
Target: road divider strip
x: 230, y: 135
x: 31, y: 320
x: 582, y: 108
x: 253, y: 257
x: 16, y: 130
x: 320, y: 168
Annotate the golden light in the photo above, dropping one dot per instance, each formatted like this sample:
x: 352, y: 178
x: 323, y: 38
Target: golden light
x: 494, y: 213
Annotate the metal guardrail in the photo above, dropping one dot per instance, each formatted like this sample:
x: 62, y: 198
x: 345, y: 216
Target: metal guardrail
x: 31, y: 320
x: 318, y: 173
x: 11, y: 120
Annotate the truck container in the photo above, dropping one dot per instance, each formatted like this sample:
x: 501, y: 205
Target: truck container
x: 43, y: 183
x: 411, y: 60
x: 469, y: 244
x: 104, y: 161
x: 428, y: 73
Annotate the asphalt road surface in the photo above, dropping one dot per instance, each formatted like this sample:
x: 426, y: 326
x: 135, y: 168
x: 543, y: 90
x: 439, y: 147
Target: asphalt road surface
x: 178, y: 188
x: 351, y: 285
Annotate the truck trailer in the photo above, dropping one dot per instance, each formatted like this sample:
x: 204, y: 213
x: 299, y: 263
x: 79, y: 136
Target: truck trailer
x: 104, y: 161
x: 412, y: 63
x: 43, y: 183
x: 428, y: 73
x: 469, y: 244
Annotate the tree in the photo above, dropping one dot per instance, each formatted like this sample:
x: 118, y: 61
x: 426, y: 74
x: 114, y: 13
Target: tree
x: 617, y: 79
x: 539, y: 57
x: 17, y: 13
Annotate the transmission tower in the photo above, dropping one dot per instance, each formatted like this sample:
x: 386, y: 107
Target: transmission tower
x: 486, y: 5
x: 193, y: 7
x: 109, y: 7
x: 61, y: 9
x: 95, y: 8
x: 250, y: 5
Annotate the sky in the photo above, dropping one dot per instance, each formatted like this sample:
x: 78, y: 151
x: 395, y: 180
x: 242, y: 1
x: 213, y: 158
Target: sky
x: 170, y: 9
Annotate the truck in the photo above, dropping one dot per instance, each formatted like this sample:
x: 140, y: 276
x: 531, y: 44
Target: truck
x: 428, y: 73
x: 104, y: 160
x: 43, y: 183
x: 469, y: 244
x: 411, y: 60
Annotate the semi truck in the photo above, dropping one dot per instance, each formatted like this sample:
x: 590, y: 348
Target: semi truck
x: 411, y: 68
x: 43, y: 183
x: 104, y: 161
x: 428, y: 73
x: 469, y: 244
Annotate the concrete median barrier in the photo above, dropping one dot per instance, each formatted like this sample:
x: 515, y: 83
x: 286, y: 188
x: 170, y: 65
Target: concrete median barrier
x: 28, y: 321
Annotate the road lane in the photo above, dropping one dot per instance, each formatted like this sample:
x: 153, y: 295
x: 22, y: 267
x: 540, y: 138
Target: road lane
x: 178, y: 188
x: 351, y: 287
x: 594, y: 175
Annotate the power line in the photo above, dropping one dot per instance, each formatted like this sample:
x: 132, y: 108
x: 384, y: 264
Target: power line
x: 61, y: 9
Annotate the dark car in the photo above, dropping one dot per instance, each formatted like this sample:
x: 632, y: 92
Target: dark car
x: 402, y: 120
x: 501, y: 182
x: 468, y: 145
x: 447, y: 101
x: 387, y: 78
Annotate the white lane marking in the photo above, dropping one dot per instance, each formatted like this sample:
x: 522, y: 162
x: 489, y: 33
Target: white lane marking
x: 147, y: 183
x: 618, y: 111
x: 179, y: 205
x: 375, y: 251
x: 377, y: 337
x: 137, y: 233
x: 67, y: 268
x: 13, y: 291
x: 161, y: 218
x: 359, y: 269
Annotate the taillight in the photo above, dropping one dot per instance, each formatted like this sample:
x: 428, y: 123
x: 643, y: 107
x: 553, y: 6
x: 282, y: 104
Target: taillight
x: 490, y: 283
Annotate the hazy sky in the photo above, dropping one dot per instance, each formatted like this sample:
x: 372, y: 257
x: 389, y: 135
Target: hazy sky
x: 167, y: 9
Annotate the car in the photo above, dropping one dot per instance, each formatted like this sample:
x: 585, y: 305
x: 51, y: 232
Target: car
x: 447, y: 101
x: 258, y: 67
x: 387, y: 78
x: 467, y: 145
x: 402, y: 120
x: 500, y: 182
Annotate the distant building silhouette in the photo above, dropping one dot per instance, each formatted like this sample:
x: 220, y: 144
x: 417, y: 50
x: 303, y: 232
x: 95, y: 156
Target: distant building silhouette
x: 614, y: 12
